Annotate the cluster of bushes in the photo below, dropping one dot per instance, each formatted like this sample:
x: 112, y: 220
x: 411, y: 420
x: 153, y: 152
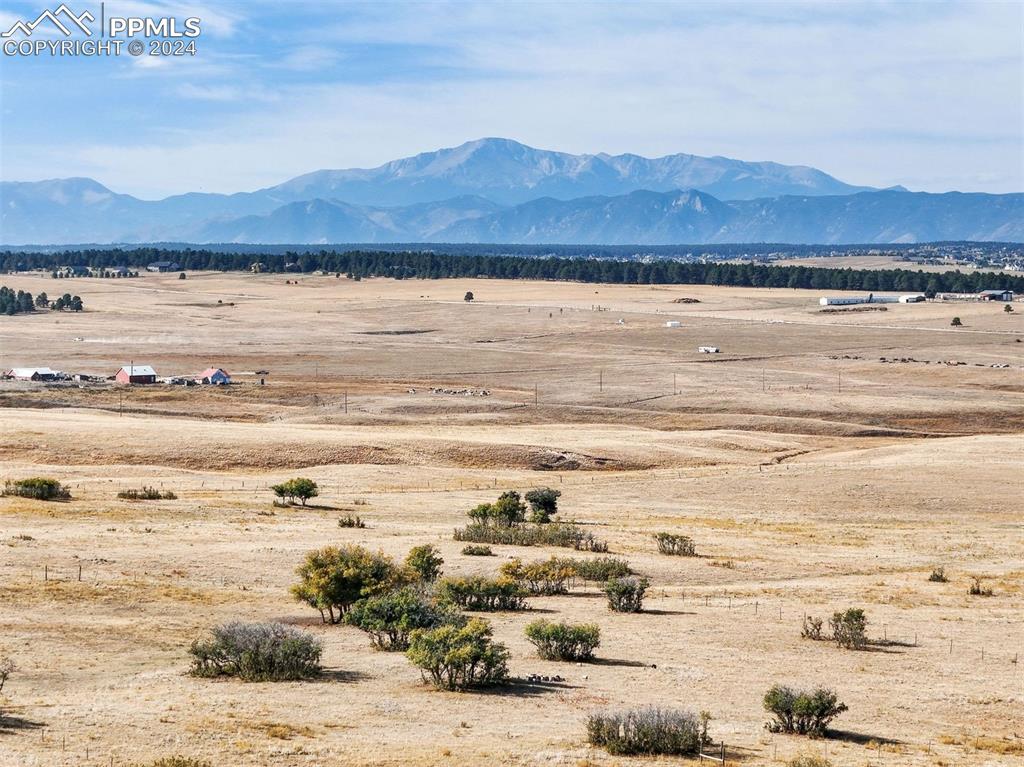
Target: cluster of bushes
x: 938, y: 575
x: 300, y: 488
x: 176, y: 761
x: 626, y: 594
x: 391, y: 618
x: 482, y: 594
x: 475, y: 550
x: 454, y: 657
x: 649, y: 730
x: 510, y: 510
x: 563, y: 641
x: 677, y: 545
x: 977, y: 590
x: 350, y: 521
x: 541, y: 578
x: 146, y: 494
x: 505, y: 522
x: 37, y: 488
x: 565, y: 534
x: 801, y: 712
x: 849, y: 629
x: 256, y: 652
x: 558, y: 574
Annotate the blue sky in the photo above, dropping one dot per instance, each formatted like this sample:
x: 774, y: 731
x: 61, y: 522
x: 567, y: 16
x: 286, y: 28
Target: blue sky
x: 928, y: 95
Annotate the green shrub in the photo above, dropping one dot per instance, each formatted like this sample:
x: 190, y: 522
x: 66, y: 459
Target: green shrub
x: 677, y: 545
x: 459, y: 657
x: 812, y: 628
x: 299, y: 487
x: 648, y: 730
x: 257, y: 652
x: 564, y: 534
x: 425, y: 562
x: 334, y: 578
x: 938, y: 575
x: 801, y: 712
x: 391, y: 618
x: 543, y: 504
x: 563, y: 641
x: 146, y: 494
x: 474, y: 550
x: 626, y: 595
x: 849, y: 628
x: 599, y: 569
x: 507, y: 511
x: 351, y: 522
x: 37, y: 488
x: 481, y: 594
x: 540, y: 578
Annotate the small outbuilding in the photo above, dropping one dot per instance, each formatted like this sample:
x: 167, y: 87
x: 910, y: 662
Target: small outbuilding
x: 673, y: 324
x: 708, y: 349
x: 135, y: 374
x: 163, y: 266
x: 215, y: 376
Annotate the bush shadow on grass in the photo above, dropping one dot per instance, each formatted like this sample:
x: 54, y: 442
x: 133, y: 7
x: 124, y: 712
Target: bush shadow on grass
x: 11, y: 723
x: 648, y: 611
x: 859, y: 738
x: 339, y: 675
x: 597, y: 661
x: 523, y: 688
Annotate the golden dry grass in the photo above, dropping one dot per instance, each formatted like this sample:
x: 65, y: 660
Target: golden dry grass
x: 801, y: 498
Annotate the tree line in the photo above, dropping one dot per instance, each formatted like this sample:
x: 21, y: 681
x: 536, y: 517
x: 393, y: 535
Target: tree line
x: 359, y: 264
x: 19, y: 302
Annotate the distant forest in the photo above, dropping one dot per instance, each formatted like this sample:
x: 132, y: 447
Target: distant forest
x: 431, y: 265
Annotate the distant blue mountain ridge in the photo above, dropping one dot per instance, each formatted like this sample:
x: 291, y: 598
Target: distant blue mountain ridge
x: 501, y: 191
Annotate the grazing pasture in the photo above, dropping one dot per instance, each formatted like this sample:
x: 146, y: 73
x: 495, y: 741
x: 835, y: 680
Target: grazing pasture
x: 810, y: 476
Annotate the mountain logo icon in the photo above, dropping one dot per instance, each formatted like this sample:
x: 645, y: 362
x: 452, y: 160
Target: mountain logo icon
x: 54, y: 17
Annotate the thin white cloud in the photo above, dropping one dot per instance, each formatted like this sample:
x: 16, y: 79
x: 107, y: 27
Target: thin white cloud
x: 880, y: 94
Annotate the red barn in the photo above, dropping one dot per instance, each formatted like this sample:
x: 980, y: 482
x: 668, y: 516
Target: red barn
x: 135, y: 374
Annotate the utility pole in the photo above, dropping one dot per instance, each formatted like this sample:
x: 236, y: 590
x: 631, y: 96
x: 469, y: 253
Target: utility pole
x: 674, y: 389
x: 600, y: 380
x: 120, y: 404
x: 346, y: 403
x: 535, y: 398
x: 840, y: 381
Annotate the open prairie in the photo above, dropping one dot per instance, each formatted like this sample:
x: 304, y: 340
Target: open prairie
x: 812, y: 475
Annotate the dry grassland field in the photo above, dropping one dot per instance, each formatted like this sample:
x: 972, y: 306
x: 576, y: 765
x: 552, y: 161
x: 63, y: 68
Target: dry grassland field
x: 811, y: 475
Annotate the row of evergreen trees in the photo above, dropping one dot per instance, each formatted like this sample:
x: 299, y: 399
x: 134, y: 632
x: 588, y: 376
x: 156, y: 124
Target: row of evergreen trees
x: 430, y: 265
x: 22, y: 301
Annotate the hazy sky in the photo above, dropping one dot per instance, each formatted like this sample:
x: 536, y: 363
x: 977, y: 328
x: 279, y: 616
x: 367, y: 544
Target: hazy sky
x: 928, y: 95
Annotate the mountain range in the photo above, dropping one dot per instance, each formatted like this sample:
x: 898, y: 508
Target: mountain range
x: 500, y: 191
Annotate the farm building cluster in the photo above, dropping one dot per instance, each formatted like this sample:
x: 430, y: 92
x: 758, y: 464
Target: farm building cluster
x: 130, y: 374
x: 914, y: 298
